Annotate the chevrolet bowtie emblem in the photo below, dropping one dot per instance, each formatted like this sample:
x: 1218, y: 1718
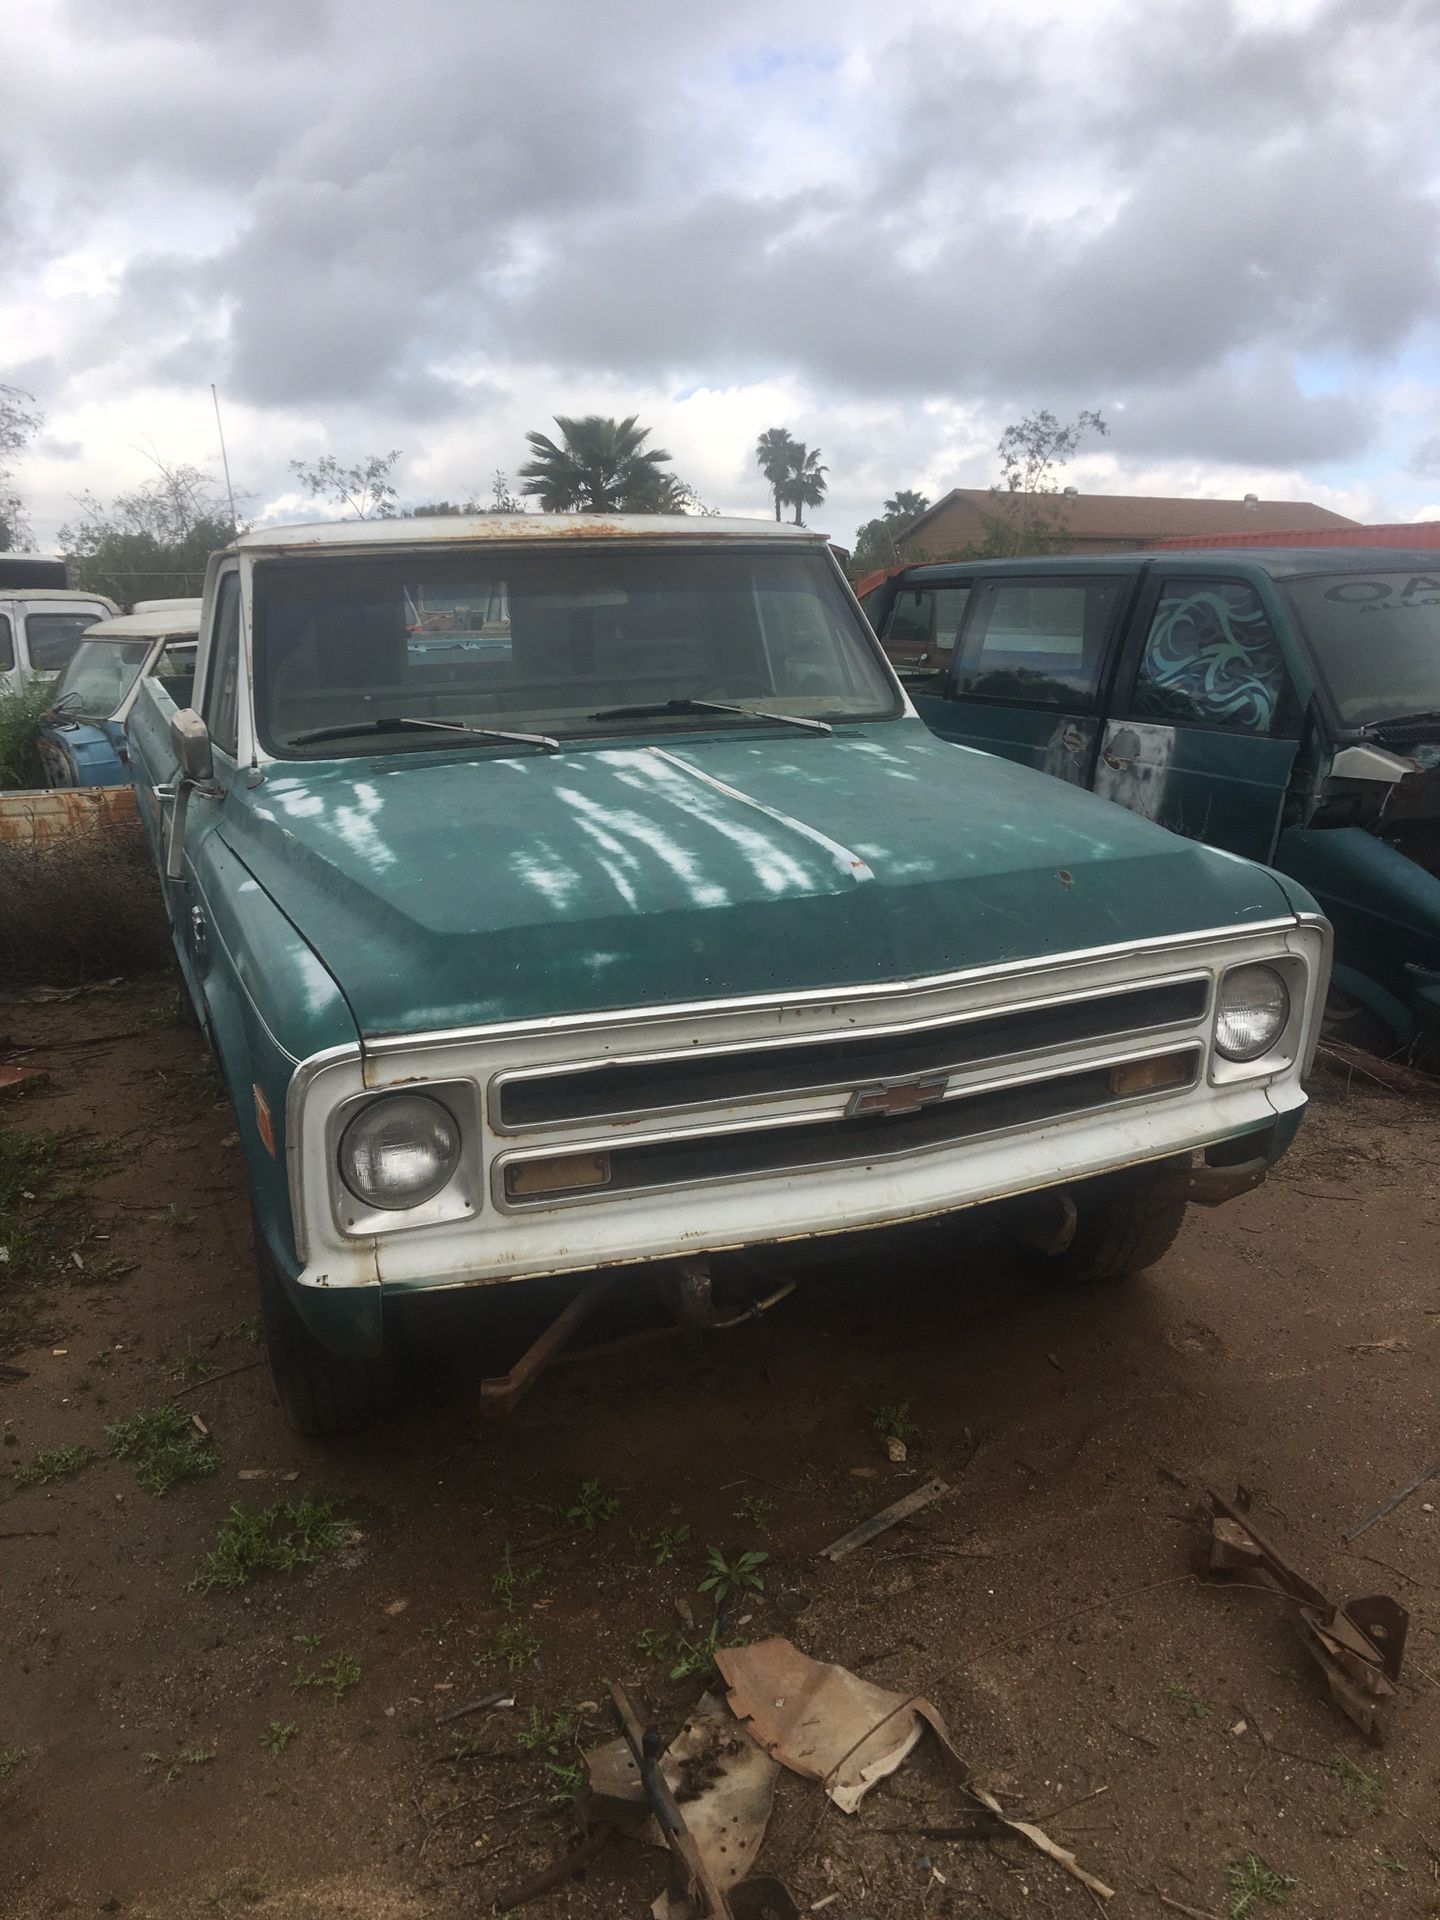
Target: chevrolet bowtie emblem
x: 894, y: 1097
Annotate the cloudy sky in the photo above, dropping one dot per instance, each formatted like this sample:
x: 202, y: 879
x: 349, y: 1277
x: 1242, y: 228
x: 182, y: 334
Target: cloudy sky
x: 890, y: 227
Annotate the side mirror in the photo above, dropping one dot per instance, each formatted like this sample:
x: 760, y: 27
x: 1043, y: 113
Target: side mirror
x: 1370, y: 763
x: 190, y: 743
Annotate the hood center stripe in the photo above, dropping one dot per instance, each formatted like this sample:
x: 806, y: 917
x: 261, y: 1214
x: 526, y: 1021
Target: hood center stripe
x: 844, y: 857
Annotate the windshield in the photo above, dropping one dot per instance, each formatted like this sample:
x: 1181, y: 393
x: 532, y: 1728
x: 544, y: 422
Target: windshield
x: 1376, y: 637
x: 99, y: 677
x: 548, y: 643
x: 53, y: 637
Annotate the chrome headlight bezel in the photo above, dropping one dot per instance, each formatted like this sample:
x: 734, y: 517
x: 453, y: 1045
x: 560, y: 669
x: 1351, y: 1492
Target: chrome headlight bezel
x: 458, y: 1197
x: 1286, y: 985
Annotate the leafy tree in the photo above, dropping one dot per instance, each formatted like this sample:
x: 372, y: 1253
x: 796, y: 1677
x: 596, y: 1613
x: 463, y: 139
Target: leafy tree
x: 774, y: 455
x: 806, y: 485
x: 364, y: 488
x: 19, y: 423
x: 501, y: 501
x: 1029, y: 510
x: 601, y: 466
x: 153, y: 543
x: 876, y: 543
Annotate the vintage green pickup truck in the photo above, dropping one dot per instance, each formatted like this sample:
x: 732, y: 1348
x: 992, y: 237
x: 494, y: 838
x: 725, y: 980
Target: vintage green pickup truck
x: 562, y: 893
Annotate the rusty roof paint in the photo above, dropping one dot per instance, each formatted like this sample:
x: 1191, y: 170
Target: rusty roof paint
x: 468, y: 529
x: 41, y: 816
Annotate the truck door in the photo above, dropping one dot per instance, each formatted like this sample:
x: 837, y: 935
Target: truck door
x: 1028, y: 669
x: 220, y: 710
x: 1206, y: 720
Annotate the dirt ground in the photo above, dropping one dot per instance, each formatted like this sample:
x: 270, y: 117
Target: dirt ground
x: 1163, y: 1727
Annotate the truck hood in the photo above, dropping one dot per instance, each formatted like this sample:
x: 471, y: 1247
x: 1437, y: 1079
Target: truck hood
x: 465, y: 890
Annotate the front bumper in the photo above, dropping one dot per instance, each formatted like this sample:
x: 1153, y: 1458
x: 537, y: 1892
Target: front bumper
x: 745, y: 1123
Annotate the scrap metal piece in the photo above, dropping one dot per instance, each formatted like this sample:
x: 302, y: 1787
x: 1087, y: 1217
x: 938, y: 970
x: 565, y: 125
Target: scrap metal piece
x: 1358, y: 1647
x: 693, y: 1889
x: 887, y: 1517
x: 1395, y: 1500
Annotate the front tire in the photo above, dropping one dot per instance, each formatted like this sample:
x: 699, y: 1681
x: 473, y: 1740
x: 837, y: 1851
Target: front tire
x: 1120, y: 1230
x: 321, y: 1392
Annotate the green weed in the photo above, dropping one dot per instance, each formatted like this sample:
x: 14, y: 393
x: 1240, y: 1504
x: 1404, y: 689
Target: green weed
x: 652, y: 1644
x: 339, y: 1675
x: 514, y: 1646
x: 56, y: 1463
x: 277, y: 1737
x: 695, y: 1659
x: 894, y: 1423
x: 276, y: 1540
x: 20, y: 711
x: 549, y: 1736
x: 164, y: 1446
x: 1367, y: 1788
x: 758, y: 1510
x: 740, y: 1575
x: 569, y: 1779
x: 11, y: 1758
x: 663, y: 1546
x: 1192, y: 1702
x: 192, y: 1365
x: 592, y: 1508
x: 173, y: 1765
x: 1253, y: 1884
x: 510, y: 1581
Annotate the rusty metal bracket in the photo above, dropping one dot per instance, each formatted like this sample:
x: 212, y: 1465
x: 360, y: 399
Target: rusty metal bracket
x: 692, y: 1889
x: 1358, y: 1647
x: 1212, y: 1186
x: 503, y: 1393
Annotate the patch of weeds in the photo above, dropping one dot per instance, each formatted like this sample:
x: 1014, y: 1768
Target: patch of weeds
x: 192, y: 1365
x: 1392, y: 1864
x: 758, y: 1510
x: 11, y: 1758
x: 172, y: 1766
x: 740, y: 1575
x: 165, y: 1447
x: 276, y: 1540
x: 860, y: 1501
x: 510, y: 1581
x: 308, y: 1642
x: 277, y: 1737
x: 339, y: 1675
x: 568, y: 1780
x: 549, y: 1736
x: 437, y: 1629
x: 514, y: 1647
x: 894, y: 1423
x: 663, y: 1546
x: 695, y: 1659
x: 1191, y: 1702
x: 27, y: 1164
x: 652, y: 1644
x: 1367, y: 1788
x: 55, y: 1463
x: 249, y: 1330
x: 1253, y: 1884
x: 593, y: 1507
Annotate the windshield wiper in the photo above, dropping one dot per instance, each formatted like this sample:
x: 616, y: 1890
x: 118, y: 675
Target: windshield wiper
x: 656, y: 709
x: 1429, y: 719
x: 404, y: 723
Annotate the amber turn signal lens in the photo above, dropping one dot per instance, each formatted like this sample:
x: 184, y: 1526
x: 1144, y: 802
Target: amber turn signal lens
x: 1150, y: 1076
x: 565, y: 1174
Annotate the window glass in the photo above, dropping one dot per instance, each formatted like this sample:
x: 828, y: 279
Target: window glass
x: 99, y: 677
x: 222, y: 680
x: 53, y: 637
x: 1211, y: 657
x: 1038, y: 641
x: 7, y: 643
x: 1377, y: 638
x: 922, y: 623
x: 549, y: 643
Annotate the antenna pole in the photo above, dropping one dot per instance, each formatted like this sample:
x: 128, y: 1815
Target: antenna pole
x: 224, y: 457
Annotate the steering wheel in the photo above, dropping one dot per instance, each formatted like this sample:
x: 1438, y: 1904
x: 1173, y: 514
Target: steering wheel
x: 732, y: 683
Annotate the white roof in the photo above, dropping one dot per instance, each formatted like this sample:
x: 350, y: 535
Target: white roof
x: 464, y: 529
x: 180, y: 617
x: 76, y: 595
x: 163, y: 606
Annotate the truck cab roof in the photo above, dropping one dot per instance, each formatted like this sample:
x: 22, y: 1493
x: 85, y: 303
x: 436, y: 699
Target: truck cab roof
x: 455, y: 530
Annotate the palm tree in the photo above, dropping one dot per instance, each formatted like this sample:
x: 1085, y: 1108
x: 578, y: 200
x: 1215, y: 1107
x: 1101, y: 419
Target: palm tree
x: 805, y: 486
x: 603, y: 466
x: 774, y: 451
x: 905, y: 505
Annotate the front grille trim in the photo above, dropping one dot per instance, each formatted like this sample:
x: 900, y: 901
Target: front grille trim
x: 516, y: 1098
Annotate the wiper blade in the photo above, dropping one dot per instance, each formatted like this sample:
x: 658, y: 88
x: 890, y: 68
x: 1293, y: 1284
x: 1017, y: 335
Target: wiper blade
x: 656, y: 709
x: 1428, y: 719
x: 405, y: 723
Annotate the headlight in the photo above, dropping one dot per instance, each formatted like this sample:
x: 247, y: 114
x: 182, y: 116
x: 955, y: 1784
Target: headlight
x: 399, y: 1151
x: 1252, y: 1011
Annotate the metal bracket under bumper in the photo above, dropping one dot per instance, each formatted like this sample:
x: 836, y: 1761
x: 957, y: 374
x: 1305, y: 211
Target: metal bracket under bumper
x: 1211, y: 1186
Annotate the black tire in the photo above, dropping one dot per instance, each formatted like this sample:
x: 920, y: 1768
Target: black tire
x: 1120, y: 1230
x: 320, y: 1391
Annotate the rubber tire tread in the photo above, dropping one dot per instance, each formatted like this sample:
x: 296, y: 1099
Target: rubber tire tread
x: 321, y: 1392
x: 1117, y: 1234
